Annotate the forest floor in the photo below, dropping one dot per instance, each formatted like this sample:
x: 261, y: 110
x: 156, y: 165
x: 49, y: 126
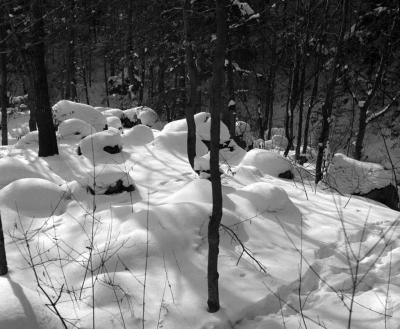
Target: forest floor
x: 291, y: 255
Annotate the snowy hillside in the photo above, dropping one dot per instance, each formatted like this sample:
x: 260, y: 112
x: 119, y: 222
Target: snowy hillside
x: 290, y: 256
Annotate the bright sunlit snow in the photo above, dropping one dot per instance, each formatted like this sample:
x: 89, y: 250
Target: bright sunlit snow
x: 138, y: 253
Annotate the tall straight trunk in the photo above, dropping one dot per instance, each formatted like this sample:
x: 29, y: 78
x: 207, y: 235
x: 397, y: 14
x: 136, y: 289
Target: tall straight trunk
x: 44, y: 119
x: 310, y: 107
x: 129, y: 43
x: 216, y: 105
x: 3, y: 257
x: 84, y: 76
x: 191, y: 107
x: 229, y: 113
x: 3, y: 85
x: 330, y: 94
x: 301, y: 109
x: 70, y: 91
x: 142, y: 75
x: 106, y: 80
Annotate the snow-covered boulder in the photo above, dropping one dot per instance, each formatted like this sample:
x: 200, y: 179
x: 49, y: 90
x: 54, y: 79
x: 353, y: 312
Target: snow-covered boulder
x: 269, y: 163
x: 362, y: 178
x: 66, y: 109
x: 109, y: 141
x: 31, y: 138
x: 138, y: 136
x: 12, y: 169
x: 23, y: 308
x: 141, y: 114
x: 107, y: 111
x: 275, y: 131
x: 176, y: 143
x: 114, y: 122
x: 34, y: 197
x: 76, y: 128
x: 242, y: 127
x: 109, y: 180
x: 279, y: 142
x: 203, y: 124
x: 264, y: 196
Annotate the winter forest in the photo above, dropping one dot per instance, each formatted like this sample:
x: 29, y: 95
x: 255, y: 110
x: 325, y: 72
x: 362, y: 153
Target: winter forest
x: 200, y: 164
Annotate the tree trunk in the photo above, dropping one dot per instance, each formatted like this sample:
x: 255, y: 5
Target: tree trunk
x: 191, y: 107
x: 311, y: 105
x: 3, y: 86
x: 301, y: 107
x: 44, y: 119
x: 106, y: 80
x: 3, y: 257
x: 217, y: 84
x: 142, y: 75
x: 330, y: 94
x: 229, y: 113
x: 70, y: 90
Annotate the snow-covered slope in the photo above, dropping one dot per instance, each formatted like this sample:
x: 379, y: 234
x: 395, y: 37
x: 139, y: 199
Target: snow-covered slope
x: 139, y: 259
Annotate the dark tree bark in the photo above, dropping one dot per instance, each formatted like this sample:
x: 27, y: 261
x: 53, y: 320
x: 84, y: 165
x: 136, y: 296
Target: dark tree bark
x: 229, y: 115
x: 106, y: 80
x: 191, y: 107
x: 3, y: 85
x: 39, y: 84
x: 3, y: 257
x: 142, y: 74
x: 216, y: 105
x: 330, y: 94
x: 70, y: 90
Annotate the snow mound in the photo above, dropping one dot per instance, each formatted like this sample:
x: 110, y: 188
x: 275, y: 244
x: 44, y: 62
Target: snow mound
x: 280, y: 142
x: 108, y: 112
x: 114, y: 122
x: 34, y: 197
x: 203, y: 125
x: 232, y: 154
x: 75, y: 128
x: 242, y: 127
x: 269, y: 163
x: 31, y: 138
x: 12, y: 169
x: 198, y: 190
x: 109, y: 141
x: 23, y: 308
x: 138, y: 136
x: 356, y: 177
x: 106, y: 179
x: 265, y: 196
x: 146, y: 115
x: 65, y: 109
x: 176, y: 142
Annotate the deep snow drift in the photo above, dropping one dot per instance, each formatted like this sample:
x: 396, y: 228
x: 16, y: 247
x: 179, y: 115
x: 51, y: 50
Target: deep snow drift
x: 140, y: 256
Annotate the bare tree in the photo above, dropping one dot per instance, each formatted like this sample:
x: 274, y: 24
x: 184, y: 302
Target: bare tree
x: 3, y: 82
x: 3, y: 258
x: 216, y: 105
x: 39, y: 84
x: 191, y: 108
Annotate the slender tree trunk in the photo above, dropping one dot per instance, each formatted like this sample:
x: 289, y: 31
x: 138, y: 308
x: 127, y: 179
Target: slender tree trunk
x: 301, y: 107
x: 216, y: 105
x: 229, y: 114
x: 129, y: 43
x: 106, y: 80
x: 3, y: 86
x: 311, y: 105
x: 142, y: 75
x: 44, y: 119
x: 191, y: 107
x: 70, y: 90
x: 330, y: 94
x: 3, y: 257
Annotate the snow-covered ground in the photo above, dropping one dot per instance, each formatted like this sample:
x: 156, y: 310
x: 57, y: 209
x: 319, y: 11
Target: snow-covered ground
x: 138, y: 259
